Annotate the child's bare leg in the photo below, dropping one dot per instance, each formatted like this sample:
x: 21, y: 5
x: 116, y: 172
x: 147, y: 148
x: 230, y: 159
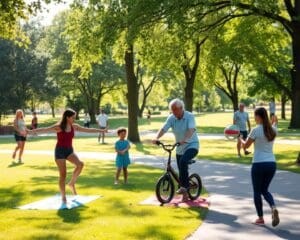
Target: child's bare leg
x: 118, y: 172
x: 125, y: 173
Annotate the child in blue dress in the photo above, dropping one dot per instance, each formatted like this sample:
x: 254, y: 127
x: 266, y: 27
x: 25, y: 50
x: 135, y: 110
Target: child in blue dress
x: 122, y: 160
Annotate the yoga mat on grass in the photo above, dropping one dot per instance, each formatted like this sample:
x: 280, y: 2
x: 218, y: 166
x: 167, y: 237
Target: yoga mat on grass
x: 55, y: 203
x: 176, y: 202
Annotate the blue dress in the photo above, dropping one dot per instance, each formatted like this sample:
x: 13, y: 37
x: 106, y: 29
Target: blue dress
x: 122, y: 160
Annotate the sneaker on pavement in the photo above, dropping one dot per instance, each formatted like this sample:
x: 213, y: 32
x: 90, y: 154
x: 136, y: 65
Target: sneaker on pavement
x: 181, y: 190
x: 185, y: 197
x: 259, y: 222
x: 275, y: 217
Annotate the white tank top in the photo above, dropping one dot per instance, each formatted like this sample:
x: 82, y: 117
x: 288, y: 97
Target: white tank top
x: 21, y: 125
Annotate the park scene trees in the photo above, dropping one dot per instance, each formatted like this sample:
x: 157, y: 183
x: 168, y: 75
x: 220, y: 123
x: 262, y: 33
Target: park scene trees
x: 131, y: 58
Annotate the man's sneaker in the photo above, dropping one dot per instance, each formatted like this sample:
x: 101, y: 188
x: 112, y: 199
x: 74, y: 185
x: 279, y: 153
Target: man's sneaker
x: 239, y: 156
x: 185, y: 197
x: 116, y: 182
x: 247, y: 152
x: 181, y: 190
x: 259, y: 222
x: 275, y: 217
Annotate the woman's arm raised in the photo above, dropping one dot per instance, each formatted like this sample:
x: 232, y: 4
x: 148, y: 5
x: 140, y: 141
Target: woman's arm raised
x: 88, y: 130
x: 54, y: 128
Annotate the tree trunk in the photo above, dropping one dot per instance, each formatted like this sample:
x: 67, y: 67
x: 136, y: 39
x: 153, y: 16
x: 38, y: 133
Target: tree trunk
x: 189, y: 93
x: 235, y: 102
x: 283, y: 102
x: 132, y: 96
x: 295, y: 74
x: 52, y: 109
x: 298, y: 159
x: 92, y: 113
x: 142, y: 108
x: 190, y: 76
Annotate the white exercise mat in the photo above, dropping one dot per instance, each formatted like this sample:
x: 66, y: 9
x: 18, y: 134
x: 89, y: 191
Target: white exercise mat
x: 55, y: 203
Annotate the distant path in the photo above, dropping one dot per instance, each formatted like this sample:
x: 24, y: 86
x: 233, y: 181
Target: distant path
x: 231, y: 211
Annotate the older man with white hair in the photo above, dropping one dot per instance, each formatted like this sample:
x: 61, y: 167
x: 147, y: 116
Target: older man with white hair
x: 184, y: 128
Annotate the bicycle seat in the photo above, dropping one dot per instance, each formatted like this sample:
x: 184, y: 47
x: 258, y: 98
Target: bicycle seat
x: 191, y: 161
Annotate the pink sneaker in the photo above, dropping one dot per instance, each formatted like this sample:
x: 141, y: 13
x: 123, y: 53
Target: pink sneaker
x: 259, y: 222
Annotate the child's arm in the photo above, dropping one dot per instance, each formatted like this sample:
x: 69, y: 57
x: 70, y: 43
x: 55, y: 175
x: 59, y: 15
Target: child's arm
x: 126, y: 149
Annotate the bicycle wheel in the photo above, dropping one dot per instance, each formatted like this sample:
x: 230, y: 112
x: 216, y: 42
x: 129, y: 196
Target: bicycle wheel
x: 164, y: 189
x: 195, y: 186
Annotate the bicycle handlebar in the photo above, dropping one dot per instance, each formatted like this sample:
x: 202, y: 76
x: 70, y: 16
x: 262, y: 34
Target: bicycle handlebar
x: 167, y: 147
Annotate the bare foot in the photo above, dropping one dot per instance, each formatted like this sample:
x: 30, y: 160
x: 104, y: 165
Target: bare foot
x: 73, y: 189
x: 14, y: 155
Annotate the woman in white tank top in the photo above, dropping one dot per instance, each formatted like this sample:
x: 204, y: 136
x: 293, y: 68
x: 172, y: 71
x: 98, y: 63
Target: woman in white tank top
x: 20, y: 134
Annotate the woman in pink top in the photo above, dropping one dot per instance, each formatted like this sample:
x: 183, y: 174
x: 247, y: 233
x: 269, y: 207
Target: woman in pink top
x: 65, y: 130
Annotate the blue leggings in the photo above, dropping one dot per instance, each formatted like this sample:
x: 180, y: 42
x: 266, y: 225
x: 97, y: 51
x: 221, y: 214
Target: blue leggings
x: 182, y: 163
x: 262, y: 174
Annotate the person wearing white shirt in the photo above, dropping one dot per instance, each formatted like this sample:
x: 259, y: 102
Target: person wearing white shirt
x: 102, y: 119
x: 263, y: 163
x: 86, y: 120
x: 240, y: 118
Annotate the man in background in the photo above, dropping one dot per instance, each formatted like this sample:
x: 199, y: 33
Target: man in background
x: 102, y: 119
x: 240, y: 118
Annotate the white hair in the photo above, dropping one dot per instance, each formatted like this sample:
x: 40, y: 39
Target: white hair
x: 177, y: 102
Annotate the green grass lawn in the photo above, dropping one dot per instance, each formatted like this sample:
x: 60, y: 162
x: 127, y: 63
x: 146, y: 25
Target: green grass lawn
x: 117, y: 215
x: 206, y: 122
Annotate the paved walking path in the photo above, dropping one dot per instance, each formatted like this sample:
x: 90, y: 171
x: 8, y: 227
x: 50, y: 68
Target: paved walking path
x: 230, y: 194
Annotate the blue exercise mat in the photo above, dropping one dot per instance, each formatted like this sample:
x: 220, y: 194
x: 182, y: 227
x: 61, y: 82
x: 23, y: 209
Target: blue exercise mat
x: 55, y: 203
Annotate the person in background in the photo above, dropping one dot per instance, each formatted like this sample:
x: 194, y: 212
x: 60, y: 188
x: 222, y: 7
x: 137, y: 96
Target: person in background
x: 102, y: 119
x: 149, y: 116
x: 263, y: 163
x: 86, y: 120
x: 65, y: 131
x: 20, y: 134
x: 34, y: 121
x: 240, y: 118
x: 272, y: 107
x: 274, y: 120
x: 122, y: 160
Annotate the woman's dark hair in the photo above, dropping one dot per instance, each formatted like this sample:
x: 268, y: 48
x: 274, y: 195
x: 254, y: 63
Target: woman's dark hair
x: 63, y: 122
x: 268, y: 130
x: 120, y: 130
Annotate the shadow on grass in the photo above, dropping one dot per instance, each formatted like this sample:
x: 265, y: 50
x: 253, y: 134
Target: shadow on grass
x: 15, y: 164
x: 155, y: 231
x: 71, y: 215
x: 140, y: 178
x: 11, y: 197
x: 162, y: 232
x: 140, y: 148
x: 47, y: 236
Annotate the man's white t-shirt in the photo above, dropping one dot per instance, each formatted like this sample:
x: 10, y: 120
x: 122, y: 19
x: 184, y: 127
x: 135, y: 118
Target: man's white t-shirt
x: 102, y: 120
